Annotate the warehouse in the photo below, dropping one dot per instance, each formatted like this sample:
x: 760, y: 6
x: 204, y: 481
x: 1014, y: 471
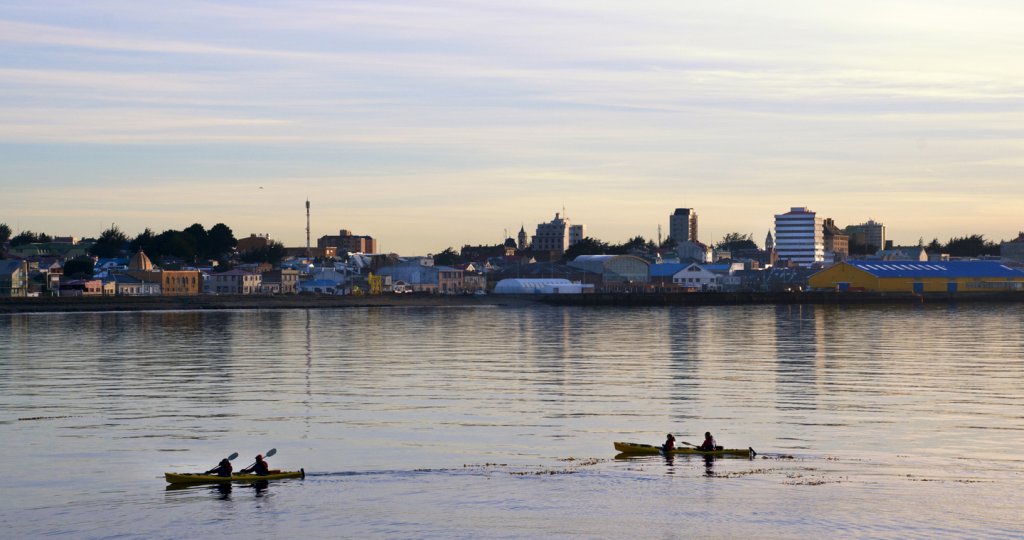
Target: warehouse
x: 919, y: 277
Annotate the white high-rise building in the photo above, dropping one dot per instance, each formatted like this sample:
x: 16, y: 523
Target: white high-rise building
x: 682, y: 225
x: 800, y: 236
x: 557, y: 235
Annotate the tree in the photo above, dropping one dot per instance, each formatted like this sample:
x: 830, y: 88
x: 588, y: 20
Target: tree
x: 220, y: 240
x: 973, y: 245
x: 669, y: 243
x: 25, y: 237
x: 199, y: 238
x: 271, y: 253
x: 447, y: 257
x: 735, y: 241
x: 111, y: 243
x: 934, y: 247
x: 79, y: 268
x: 586, y: 246
x: 5, y: 233
x: 175, y: 244
x: 145, y: 241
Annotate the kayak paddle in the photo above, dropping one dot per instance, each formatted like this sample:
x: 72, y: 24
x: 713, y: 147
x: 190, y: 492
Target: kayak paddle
x: 229, y: 458
x: 270, y: 453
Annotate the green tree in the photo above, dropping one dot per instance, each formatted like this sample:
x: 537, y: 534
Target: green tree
x: 220, y: 240
x: 272, y: 254
x: 447, y: 257
x: 735, y: 241
x: 973, y: 245
x: 27, y: 237
x: 79, y: 268
x: 668, y: 243
x: 111, y: 243
x: 199, y: 239
x: 934, y: 247
x: 586, y: 246
x: 5, y: 233
x: 145, y: 241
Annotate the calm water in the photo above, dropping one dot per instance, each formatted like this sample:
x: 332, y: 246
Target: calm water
x: 498, y: 422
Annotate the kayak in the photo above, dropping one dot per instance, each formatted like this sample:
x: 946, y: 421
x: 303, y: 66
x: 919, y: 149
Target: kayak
x: 639, y: 449
x: 200, y: 478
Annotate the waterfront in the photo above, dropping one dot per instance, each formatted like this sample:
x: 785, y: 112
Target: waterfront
x: 888, y: 421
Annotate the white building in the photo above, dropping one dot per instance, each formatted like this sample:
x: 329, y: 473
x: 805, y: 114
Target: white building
x: 540, y: 286
x: 800, y: 236
x: 696, y: 277
x: 682, y: 225
x: 557, y: 235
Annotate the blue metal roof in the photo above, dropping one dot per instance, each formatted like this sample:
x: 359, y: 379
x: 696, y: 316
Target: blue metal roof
x: 667, y: 269
x: 944, y: 269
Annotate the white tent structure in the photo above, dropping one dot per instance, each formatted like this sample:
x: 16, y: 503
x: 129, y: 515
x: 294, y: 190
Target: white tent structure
x: 539, y: 286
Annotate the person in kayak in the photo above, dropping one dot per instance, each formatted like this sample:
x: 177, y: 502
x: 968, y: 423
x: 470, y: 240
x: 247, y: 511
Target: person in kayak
x: 223, y: 469
x: 670, y: 443
x: 259, y: 468
x: 708, y: 444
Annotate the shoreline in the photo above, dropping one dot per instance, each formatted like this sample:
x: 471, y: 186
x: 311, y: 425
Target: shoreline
x: 184, y: 303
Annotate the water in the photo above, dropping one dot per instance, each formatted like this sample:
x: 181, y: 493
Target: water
x: 497, y: 422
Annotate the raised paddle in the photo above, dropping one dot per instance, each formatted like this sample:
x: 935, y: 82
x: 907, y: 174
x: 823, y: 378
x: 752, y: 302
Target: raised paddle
x: 229, y: 458
x: 270, y: 453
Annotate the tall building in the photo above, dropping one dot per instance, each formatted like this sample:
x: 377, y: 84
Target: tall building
x: 837, y: 243
x: 869, y: 233
x: 522, y: 237
x: 557, y: 235
x: 682, y: 225
x: 800, y: 236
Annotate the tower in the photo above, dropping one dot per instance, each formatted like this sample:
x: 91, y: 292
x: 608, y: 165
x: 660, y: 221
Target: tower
x: 682, y: 225
x: 308, y: 250
x: 522, y: 237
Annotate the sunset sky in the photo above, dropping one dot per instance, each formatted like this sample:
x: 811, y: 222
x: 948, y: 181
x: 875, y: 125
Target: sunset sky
x: 440, y: 123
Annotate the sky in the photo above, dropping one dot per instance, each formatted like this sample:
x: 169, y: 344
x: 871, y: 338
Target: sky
x: 429, y: 124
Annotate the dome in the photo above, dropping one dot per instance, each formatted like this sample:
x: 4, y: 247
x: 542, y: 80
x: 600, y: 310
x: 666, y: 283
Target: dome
x: 140, y: 262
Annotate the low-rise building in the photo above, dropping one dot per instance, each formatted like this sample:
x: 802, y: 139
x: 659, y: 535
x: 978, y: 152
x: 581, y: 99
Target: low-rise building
x: 919, y: 277
x: 695, y: 277
x: 1013, y: 251
x: 14, y: 278
x: 283, y: 281
x: 449, y: 280
x: 235, y: 282
x: 615, y: 269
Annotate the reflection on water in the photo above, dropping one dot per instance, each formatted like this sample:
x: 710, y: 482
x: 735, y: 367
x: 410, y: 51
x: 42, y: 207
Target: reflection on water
x: 855, y: 402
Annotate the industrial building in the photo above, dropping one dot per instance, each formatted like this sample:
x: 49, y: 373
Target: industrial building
x: 919, y: 277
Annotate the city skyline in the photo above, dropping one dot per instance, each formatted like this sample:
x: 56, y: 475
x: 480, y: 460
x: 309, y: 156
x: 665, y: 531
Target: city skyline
x: 435, y: 126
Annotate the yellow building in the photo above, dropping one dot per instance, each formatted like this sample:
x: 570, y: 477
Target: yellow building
x: 919, y: 277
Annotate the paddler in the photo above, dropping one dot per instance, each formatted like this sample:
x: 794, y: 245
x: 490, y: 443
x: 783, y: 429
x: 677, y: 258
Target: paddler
x: 709, y: 443
x: 260, y: 468
x: 670, y: 443
x: 223, y: 469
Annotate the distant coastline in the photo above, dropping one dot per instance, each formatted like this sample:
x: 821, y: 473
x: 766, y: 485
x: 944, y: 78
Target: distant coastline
x: 207, y: 302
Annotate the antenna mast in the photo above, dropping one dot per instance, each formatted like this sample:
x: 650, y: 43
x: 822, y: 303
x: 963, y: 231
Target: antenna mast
x: 308, y: 251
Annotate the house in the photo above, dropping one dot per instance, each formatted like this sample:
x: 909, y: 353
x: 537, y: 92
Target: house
x: 919, y: 277
x: 319, y: 286
x: 126, y: 285
x: 695, y: 277
x: 13, y: 278
x: 283, y: 281
x: 417, y: 276
x: 449, y: 280
x: 901, y: 253
x: 235, y: 282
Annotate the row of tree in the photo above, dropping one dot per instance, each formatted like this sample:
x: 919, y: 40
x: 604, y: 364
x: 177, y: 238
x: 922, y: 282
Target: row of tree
x: 193, y: 244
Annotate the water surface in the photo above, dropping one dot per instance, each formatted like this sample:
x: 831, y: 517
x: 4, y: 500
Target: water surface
x: 498, y: 422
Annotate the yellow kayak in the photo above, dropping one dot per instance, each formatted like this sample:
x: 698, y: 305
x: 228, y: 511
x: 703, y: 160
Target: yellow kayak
x: 200, y: 478
x: 640, y: 449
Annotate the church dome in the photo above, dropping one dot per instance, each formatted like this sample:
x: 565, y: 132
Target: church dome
x: 140, y: 262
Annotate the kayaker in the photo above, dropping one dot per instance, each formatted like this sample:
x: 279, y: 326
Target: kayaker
x: 259, y: 468
x: 708, y: 444
x: 223, y: 469
x: 670, y: 443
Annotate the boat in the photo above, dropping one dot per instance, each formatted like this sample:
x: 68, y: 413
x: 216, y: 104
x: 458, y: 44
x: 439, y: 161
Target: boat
x: 201, y: 478
x: 649, y: 449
